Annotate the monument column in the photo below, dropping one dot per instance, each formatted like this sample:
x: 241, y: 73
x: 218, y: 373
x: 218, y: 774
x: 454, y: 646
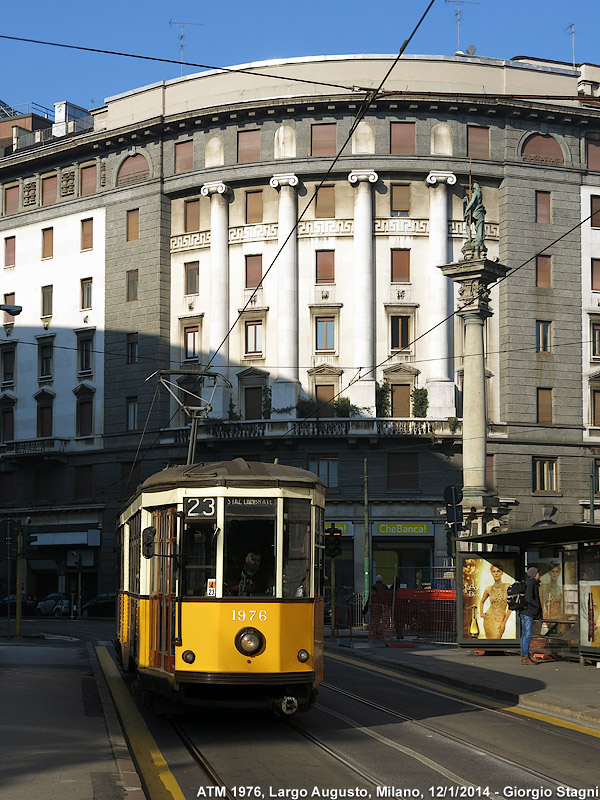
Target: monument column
x: 286, y: 386
x: 363, y: 392
x: 440, y: 383
x: 219, y: 288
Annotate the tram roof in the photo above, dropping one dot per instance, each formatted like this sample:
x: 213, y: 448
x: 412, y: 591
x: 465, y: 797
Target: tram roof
x: 238, y: 472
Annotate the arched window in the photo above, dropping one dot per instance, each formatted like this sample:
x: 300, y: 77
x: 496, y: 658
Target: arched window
x: 132, y: 170
x: 542, y: 149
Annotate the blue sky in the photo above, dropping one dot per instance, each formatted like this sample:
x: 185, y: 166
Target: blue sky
x: 235, y: 32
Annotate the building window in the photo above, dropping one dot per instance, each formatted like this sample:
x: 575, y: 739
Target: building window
x: 400, y: 332
x: 253, y: 337
x: 403, y: 471
x: 7, y: 355
x: 253, y: 271
x: 596, y: 408
x: 478, y: 142
x: 324, y: 395
x: 323, y: 139
x: 490, y: 482
x: 132, y: 348
x: 45, y: 358
x: 542, y: 149
x: 133, y: 169
x: 595, y: 339
x: 184, y: 157
x: 253, y: 396
x: 400, y: 200
x: 44, y: 485
x: 254, y: 207
x: 593, y: 154
x: 325, y: 334
x: 596, y: 274
x: 84, y: 417
x: 545, y: 474
x: 595, y: 211
x: 49, y: 189
x: 46, y: 301
x: 191, y: 216
x: 325, y: 203
x: 543, y: 341
x: 87, y: 183
x: 83, y: 482
x: 47, y: 242
x: 9, y: 300
x: 85, y: 350
x: 543, y: 272
x: 402, y: 136
x: 544, y: 406
x: 325, y: 266
x: 400, y: 266
x: 133, y: 225
x: 400, y: 400
x: 7, y: 425
x: 131, y: 413
x: 542, y: 207
x: 86, y: 293
x: 11, y: 200
x: 191, y: 342
x: 87, y: 234
x: 326, y: 469
x: 248, y: 146
x: 192, y: 277
x: 131, y: 290
x: 44, y: 420
x: 9, y: 251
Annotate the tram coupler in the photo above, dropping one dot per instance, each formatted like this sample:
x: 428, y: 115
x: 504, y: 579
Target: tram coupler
x: 289, y: 705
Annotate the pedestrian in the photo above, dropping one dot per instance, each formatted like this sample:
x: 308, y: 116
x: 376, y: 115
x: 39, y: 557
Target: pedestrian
x: 532, y: 610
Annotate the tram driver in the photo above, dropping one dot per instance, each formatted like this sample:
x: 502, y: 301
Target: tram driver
x: 254, y: 579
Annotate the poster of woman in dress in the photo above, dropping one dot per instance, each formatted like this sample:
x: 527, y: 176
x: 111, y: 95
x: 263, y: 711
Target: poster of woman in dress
x: 484, y: 586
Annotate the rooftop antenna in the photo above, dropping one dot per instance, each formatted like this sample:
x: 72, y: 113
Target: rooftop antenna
x: 571, y: 28
x: 458, y: 4
x: 183, y: 26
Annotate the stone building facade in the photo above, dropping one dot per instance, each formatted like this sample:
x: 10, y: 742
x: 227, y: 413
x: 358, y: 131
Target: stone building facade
x: 206, y: 220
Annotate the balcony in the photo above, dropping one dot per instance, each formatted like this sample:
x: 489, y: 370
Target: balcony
x: 334, y: 427
x: 34, y: 447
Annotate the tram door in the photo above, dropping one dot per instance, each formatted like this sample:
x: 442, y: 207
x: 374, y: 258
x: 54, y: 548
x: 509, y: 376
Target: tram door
x: 162, y: 590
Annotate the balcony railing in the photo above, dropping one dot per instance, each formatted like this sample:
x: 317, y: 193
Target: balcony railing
x: 346, y: 427
x: 32, y: 447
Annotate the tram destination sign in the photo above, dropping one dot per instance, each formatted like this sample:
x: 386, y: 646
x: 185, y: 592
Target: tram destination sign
x: 250, y: 506
x: 200, y: 508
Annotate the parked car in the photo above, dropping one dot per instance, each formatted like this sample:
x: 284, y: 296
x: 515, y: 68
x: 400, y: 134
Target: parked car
x: 28, y: 604
x: 54, y: 603
x: 103, y: 605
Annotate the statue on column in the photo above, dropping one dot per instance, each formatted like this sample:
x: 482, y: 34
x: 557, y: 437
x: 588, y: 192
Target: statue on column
x: 474, y: 214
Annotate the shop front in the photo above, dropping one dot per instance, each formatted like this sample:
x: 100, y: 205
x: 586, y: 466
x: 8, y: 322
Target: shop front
x: 402, y: 553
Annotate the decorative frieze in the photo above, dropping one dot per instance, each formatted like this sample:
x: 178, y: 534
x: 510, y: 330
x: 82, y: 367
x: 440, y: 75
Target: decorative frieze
x: 326, y: 227
x: 252, y: 233
x: 67, y: 183
x: 29, y: 193
x: 190, y: 241
x: 103, y: 173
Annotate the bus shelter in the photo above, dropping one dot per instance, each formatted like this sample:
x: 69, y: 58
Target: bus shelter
x: 568, y: 559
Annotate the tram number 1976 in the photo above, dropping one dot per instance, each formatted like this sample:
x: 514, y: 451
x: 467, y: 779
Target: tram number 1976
x: 239, y: 615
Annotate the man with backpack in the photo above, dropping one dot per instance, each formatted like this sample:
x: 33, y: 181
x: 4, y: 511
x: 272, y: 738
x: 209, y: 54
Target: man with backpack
x: 531, y: 611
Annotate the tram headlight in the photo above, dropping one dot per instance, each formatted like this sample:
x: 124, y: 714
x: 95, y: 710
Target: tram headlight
x: 188, y: 656
x: 303, y: 655
x: 250, y: 642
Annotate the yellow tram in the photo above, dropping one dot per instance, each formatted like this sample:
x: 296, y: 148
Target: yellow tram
x: 221, y: 584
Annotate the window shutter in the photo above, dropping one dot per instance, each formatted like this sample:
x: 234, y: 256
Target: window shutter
x: 596, y: 421
x: 542, y: 149
x: 254, y: 207
x: 542, y: 207
x: 192, y: 216
x: 400, y: 397
x: 595, y: 211
x: 47, y: 242
x: 400, y: 266
x: 478, y: 142
x: 11, y: 200
x: 403, y: 139
x: 184, y: 157
x: 253, y: 402
x: 593, y: 155
x: 323, y: 139
x: 324, y: 397
x: 88, y: 180
x: 543, y: 272
x: 84, y: 409
x: 400, y: 200
x: 325, y: 204
x: 133, y: 169
x: 544, y: 406
x: 87, y: 234
x: 253, y: 271
x: 9, y: 251
x: 325, y: 266
x: 133, y: 225
x: 49, y: 189
x: 596, y: 274
x: 248, y: 146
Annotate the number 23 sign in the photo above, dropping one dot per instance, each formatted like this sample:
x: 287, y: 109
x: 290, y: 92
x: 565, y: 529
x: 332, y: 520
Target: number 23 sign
x: 200, y: 507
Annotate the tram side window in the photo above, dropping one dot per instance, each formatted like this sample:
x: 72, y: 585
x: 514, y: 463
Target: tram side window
x: 296, y: 548
x: 249, y: 555
x: 199, y: 559
x: 319, y: 549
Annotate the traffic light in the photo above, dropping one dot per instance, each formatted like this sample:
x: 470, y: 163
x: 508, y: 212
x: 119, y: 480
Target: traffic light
x: 148, y: 535
x: 333, y: 542
x: 450, y: 539
x: 29, y: 543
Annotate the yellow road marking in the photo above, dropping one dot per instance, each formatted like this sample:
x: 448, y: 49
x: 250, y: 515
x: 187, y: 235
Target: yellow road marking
x: 156, y: 775
x: 471, y: 698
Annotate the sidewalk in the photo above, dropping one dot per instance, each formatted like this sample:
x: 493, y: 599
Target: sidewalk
x: 59, y: 735
x: 560, y: 688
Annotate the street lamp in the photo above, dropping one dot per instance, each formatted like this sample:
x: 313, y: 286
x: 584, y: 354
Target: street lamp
x: 12, y: 310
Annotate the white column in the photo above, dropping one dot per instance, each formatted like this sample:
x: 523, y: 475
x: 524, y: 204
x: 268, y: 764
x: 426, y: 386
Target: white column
x: 363, y: 321
x: 219, y: 286
x: 440, y: 368
x: 285, y: 387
